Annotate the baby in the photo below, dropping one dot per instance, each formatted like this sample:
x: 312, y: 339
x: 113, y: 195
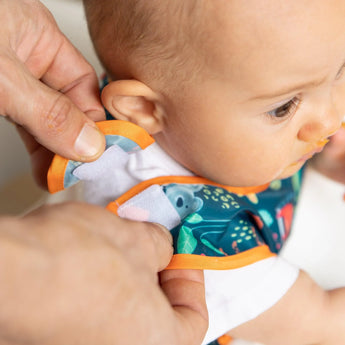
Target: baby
x: 221, y: 102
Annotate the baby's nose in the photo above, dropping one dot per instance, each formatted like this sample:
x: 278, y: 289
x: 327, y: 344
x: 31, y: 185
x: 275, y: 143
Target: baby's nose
x: 322, y: 124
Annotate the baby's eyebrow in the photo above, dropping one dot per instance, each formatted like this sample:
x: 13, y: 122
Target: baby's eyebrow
x: 290, y: 89
x: 294, y: 88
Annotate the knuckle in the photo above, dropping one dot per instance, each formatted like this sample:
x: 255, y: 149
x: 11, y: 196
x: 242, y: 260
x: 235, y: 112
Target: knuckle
x: 56, y: 118
x: 79, y: 210
x: 7, y: 87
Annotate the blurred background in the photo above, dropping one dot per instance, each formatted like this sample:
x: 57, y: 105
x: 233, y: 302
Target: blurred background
x: 318, y: 235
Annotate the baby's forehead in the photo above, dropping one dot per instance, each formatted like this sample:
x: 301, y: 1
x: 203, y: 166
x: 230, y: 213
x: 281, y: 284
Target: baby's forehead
x: 275, y: 37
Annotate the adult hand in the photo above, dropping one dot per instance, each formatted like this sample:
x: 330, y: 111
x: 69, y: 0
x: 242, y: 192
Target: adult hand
x: 47, y: 87
x: 331, y: 161
x: 77, y: 274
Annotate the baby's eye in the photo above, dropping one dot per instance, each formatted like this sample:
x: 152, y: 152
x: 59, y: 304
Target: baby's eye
x: 285, y: 110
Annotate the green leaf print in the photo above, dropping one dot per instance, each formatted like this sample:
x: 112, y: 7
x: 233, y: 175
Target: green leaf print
x: 266, y: 216
x: 276, y: 184
x: 186, y: 242
x: 208, y: 244
x: 296, y: 182
x: 194, y: 218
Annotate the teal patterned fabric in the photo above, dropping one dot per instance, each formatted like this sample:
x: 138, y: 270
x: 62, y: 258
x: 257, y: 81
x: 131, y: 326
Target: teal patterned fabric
x: 224, y: 223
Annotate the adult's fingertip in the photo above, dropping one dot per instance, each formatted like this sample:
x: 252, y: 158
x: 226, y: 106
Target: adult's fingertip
x: 90, y: 143
x: 164, y: 231
x: 161, y: 248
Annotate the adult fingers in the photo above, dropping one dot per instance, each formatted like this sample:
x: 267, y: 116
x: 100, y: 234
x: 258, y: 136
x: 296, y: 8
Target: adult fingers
x: 67, y: 71
x: 147, y: 246
x: 185, y: 291
x: 38, y: 43
x: 336, y: 146
x: 50, y: 116
x: 40, y: 157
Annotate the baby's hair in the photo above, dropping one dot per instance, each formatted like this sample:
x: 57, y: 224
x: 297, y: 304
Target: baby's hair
x: 146, y: 33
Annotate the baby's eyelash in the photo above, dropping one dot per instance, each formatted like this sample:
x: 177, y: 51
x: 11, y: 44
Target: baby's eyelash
x: 286, y: 110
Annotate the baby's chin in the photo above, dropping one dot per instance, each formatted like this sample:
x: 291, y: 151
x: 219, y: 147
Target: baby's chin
x: 290, y: 170
x: 241, y: 182
x: 256, y: 181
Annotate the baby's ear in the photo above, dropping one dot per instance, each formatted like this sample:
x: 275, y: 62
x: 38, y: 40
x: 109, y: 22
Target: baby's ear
x: 133, y: 101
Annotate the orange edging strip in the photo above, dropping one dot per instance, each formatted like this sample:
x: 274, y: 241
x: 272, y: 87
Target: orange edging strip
x: 201, y: 262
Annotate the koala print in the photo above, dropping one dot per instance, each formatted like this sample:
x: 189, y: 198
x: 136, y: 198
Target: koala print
x: 183, y: 199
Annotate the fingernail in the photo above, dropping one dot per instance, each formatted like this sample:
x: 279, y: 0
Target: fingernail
x: 89, y: 142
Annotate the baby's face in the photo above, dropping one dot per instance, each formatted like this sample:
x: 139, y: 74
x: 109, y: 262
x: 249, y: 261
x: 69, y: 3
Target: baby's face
x: 272, y: 92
